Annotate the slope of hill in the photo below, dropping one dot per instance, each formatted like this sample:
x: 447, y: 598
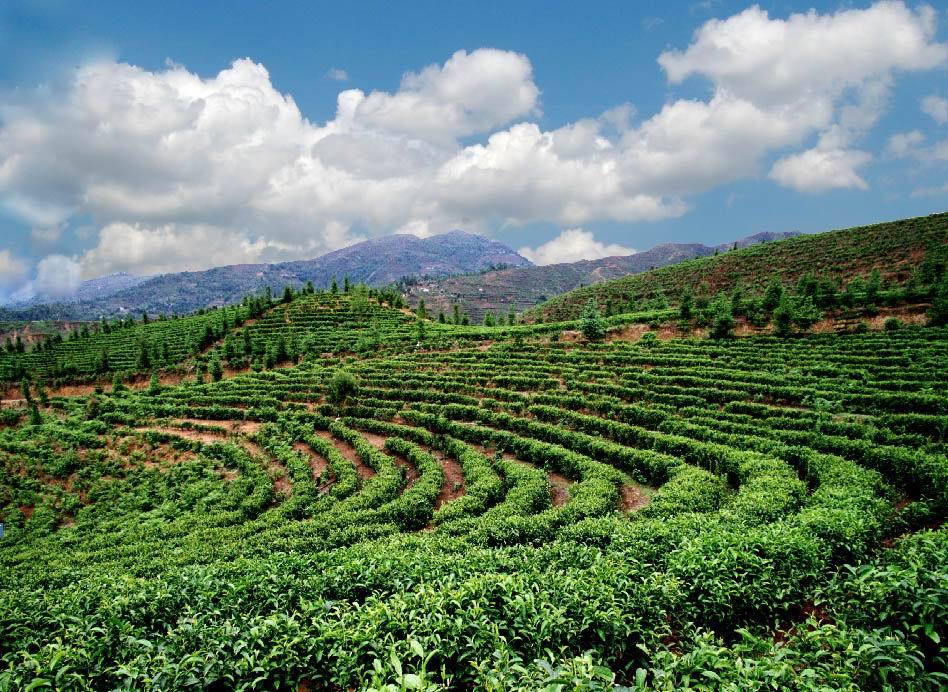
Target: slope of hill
x: 536, y: 514
x: 375, y: 262
x: 522, y: 288
x: 895, y: 248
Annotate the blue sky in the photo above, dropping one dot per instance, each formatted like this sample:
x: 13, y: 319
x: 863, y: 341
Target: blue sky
x: 105, y: 165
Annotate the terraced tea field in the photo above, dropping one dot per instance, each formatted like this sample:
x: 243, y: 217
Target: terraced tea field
x: 512, y: 512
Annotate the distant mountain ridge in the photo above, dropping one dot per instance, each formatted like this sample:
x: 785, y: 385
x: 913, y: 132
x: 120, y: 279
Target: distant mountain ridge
x: 376, y: 262
x: 525, y: 287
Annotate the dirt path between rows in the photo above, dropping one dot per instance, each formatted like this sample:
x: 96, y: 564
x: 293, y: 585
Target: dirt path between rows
x: 277, y: 472
x: 410, y: 472
x: 348, y: 453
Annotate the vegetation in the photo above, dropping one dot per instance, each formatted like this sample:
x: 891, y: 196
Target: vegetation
x: 368, y: 498
x: 910, y: 253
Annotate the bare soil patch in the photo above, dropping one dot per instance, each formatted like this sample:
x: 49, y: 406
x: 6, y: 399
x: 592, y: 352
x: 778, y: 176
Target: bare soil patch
x: 633, y: 498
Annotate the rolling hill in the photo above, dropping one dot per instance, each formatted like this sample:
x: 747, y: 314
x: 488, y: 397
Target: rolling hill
x: 895, y: 248
x: 522, y: 288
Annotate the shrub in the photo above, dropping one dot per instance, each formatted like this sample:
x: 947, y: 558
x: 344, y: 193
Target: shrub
x: 342, y: 385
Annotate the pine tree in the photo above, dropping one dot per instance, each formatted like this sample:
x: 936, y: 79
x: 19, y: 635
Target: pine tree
x: 35, y: 417
x: 722, y: 324
x: 334, y: 287
x: 783, y: 317
x: 773, y: 295
x: 154, y: 385
x: 686, y: 305
x: 217, y: 372
x: 593, y: 326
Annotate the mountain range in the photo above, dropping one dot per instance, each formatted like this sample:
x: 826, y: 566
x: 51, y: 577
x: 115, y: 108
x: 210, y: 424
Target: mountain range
x: 376, y: 262
x: 476, y: 273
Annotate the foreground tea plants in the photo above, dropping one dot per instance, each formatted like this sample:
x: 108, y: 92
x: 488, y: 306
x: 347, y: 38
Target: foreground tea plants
x: 488, y: 508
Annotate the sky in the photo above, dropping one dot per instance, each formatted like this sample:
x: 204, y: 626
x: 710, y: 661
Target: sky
x: 156, y: 137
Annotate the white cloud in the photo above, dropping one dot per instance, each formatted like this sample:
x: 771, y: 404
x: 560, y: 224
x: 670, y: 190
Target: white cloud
x: 57, y: 276
x: 572, y: 245
x: 171, y: 247
x: 12, y: 272
x: 818, y: 170
x: 471, y: 93
x: 781, y: 62
x: 936, y: 107
x: 903, y: 144
x: 174, y: 170
x: 337, y: 74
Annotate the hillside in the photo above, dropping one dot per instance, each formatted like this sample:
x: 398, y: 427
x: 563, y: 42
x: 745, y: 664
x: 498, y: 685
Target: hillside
x: 325, y: 491
x: 522, y: 288
x: 896, y: 249
x: 375, y: 262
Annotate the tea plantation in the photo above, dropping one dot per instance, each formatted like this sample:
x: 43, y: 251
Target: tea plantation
x: 343, y: 495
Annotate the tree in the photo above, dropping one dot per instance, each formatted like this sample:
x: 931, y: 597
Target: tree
x: 154, y: 385
x: 144, y: 357
x: 41, y: 393
x: 783, y: 317
x: 25, y: 390
x: 287, y: 294
x: 217, y: 372
x: 102, y: 366
x: 420, y: 329
x: 342, y: 385
x: 441, y: 319
x: 938, y: 314
x: 422, y: 311
x: 686, y: 305
x: 593, y: 326
x: 35, y: 417
x: 117, y: 385
x: 334, y: 287
x: 806, y: 314
x: 456, y: 312
x: 359, y: 303
x: 873, y: 287
x: 308, y: 289
x: 345, y: 284
x: 773, y: 295
x: 722, y: 318
x: 489, y: 319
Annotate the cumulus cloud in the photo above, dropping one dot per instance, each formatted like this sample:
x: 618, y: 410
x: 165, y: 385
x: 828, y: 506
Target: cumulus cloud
x: 12, y: 273
x: 175, y: 170
x: 572, y: 245
x: 57, y: 276
x: 471, y: 93
x: 818, y: 170
x: 936, y: 107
